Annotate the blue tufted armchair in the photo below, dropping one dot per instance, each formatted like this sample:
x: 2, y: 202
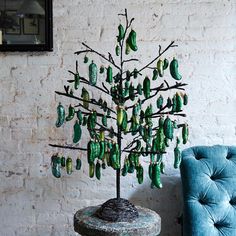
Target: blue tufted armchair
x: 209, y: 191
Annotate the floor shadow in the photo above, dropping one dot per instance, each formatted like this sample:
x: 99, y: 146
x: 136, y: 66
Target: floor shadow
x: 167, y: 202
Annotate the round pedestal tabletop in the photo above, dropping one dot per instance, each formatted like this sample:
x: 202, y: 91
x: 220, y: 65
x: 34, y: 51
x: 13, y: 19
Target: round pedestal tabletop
x: 86, y: 224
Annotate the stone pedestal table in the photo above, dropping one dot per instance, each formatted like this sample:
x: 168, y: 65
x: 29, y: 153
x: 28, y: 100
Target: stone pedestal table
x: 87, y: 224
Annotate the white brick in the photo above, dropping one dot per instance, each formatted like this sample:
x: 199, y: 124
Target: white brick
x: 35, y: 203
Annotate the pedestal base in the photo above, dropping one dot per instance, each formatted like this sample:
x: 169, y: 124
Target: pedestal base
x: 117, y: 210
x: 87, y: 224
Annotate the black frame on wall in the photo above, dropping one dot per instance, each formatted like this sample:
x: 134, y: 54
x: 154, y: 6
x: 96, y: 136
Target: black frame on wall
x: 48, y: 46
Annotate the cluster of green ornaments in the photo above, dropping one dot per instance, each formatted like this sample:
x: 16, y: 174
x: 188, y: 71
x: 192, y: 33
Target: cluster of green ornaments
x: 152, y: 130
x: 60, y: 162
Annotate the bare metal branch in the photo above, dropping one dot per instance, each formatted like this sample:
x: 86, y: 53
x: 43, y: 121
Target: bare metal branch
x: 67, y: 147
x: 99, y: 54
x: 82, y: 100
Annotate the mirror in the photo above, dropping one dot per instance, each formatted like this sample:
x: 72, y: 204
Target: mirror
x: 26, y: 25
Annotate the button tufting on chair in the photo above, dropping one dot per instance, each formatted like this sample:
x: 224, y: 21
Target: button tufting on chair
x: 214, y: 177
x: 232, y: 202
x: 202, y: 202
x: 229, y: 156
x: 217, y: 225
x: 198, y: 191
x: 199, y: 157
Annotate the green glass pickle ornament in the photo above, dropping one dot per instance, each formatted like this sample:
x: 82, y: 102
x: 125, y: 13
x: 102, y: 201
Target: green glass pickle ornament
x: 69, y: 166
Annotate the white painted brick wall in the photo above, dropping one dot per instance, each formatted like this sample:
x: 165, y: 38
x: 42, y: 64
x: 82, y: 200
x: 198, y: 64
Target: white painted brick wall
x: 34, y: 203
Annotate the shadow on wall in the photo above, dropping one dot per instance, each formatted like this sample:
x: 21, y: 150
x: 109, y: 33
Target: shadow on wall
x: 167, y: 202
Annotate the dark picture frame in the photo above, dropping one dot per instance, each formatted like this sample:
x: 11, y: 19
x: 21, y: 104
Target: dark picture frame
x: 16, y: 30
x: 30, y: 26
x: 47, y: 46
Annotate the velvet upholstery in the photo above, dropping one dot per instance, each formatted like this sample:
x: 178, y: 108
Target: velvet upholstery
x: 209, y: 191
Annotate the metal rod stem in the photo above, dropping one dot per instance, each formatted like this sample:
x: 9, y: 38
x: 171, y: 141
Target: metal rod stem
x: 118, y: 170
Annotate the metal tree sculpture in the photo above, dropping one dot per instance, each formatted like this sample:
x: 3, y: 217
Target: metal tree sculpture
x: 152, y: 127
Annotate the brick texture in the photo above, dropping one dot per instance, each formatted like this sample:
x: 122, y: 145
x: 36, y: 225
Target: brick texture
x: 33, y: 203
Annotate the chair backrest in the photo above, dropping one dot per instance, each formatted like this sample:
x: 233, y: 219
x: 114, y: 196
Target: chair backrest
x: 209, y: 191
